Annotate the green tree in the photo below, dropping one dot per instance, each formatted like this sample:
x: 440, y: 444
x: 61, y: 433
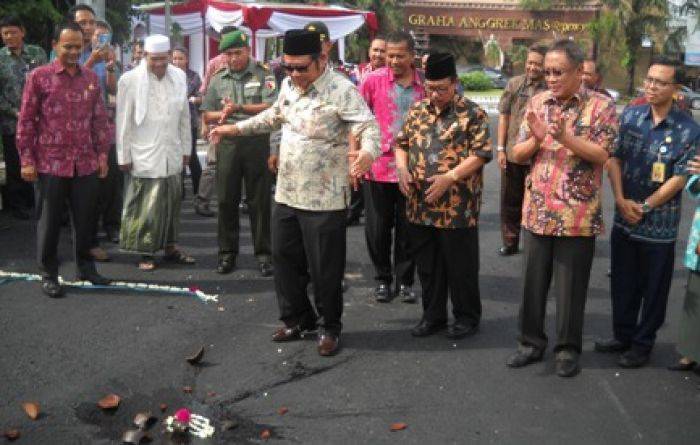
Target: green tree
x: 630, y: 19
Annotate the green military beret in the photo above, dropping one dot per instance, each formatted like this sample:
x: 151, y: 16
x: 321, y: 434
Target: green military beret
x: 235, y: 39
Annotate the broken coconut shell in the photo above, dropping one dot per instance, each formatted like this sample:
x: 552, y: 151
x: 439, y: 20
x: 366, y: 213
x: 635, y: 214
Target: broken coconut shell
x: 135, y: 437
x: 110, y: 401
x: 144, y: 420
x: 196, y: 358
x: 11, y: 434
x: 398, y: 426
x: 32, y: 409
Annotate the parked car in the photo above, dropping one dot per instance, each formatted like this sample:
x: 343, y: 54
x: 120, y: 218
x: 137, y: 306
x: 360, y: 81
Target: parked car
x: 499, y: 79
x: 691, y: 98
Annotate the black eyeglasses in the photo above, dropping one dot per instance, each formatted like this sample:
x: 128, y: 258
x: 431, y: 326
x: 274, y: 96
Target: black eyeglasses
x: 298, y: 68
x: 554, y: 72
x: 652, y: 81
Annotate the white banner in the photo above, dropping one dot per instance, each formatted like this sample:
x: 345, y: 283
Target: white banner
x: 338, y: 27
x: 217, y: 19
x: 190, y: 23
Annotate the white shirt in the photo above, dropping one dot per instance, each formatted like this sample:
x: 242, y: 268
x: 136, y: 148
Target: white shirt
x: 156, y: 146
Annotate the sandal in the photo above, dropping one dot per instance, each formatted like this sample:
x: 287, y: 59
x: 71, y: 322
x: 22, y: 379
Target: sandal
x: 178, y: 257
x: 148, y: 263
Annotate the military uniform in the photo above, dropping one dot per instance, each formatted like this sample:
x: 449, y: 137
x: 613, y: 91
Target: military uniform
x: 18, y: 195
x: 243, y: 159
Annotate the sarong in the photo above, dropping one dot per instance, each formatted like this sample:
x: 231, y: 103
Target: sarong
x: 151, y: 214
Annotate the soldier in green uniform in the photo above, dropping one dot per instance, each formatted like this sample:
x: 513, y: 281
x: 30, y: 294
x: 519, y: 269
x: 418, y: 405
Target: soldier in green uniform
x: 242, y: 90
x: 17, y: 59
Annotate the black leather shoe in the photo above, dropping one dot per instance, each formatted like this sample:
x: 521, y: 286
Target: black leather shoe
x: 507, y: 251
x: 382, y: 293
x: 424, y: 329
x: 226, y: 265
x: 567, y: 363
x: 95, y: 279
x: 461, y: 329
x: 610, y: 345
x: 52, y: 288
x: 678, y: 366
x: 633, y: 359
x: 202, y: 209
x: 406, y: 294
x: 266, y: 269
x: 524, y: 357
x: 112, y: 235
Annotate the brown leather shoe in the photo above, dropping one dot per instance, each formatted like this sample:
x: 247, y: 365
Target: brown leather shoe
x: 327, y: 345
x: 287, y: 334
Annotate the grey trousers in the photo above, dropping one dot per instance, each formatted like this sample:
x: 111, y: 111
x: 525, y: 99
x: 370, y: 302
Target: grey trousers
x: 568, y: 260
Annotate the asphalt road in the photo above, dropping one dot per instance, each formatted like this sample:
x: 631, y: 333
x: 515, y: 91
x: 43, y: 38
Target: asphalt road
x: 66, y: 354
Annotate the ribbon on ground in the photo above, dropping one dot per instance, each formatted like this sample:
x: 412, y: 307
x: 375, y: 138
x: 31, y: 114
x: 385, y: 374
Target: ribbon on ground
x: 6, y: 277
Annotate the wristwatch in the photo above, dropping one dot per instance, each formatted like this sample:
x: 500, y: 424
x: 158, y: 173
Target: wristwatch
x: 500, y: 148
x: 646, y: 208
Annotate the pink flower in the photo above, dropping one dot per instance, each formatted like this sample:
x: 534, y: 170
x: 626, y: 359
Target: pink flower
x: 183, y: 415
x: 194, y: 288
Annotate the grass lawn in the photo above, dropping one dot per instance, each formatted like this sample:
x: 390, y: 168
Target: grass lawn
x: 487, y: 93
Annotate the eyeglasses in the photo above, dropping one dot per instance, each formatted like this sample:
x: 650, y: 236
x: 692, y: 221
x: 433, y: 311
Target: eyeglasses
x: 652, y: 81
x: 440, y: 90
x: 554, y: 72
x: 298, y: 68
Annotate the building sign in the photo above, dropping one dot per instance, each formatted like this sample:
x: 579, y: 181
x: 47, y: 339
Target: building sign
x: 496, y: 24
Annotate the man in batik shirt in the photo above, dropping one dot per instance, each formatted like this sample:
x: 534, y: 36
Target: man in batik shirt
x: 63, y: 140
x: 439, y: 158
x: 317, y: 109
x: 17, y: 59
x: 567, y: 135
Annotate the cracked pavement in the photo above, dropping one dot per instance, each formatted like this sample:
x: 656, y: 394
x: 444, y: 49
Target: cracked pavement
x: 67, y: 354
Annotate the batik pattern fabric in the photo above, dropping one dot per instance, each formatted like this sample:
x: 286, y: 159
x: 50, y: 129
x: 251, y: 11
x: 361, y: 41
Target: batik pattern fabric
x: 437, y: 142
x: 562, y: 191
x: 513, y: 103
x: 63, y: 127
x: 313, y: 160
x: 641, y: 144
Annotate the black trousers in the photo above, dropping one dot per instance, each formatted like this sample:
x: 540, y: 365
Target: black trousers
x: 194, y: 165
x: 110, y: 198
x: 16, y: 193
x: 309, y: 245
x: 641, y: 279
x: 244, y: 161
x: 385, y: 209
x: 80, y: 195
x: 448, y: 259
x: 357, y: 204
x: 568, y: 260
x: 512, y: 194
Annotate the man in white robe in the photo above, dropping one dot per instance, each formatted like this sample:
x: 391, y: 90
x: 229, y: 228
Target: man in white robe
x: 153, y: 145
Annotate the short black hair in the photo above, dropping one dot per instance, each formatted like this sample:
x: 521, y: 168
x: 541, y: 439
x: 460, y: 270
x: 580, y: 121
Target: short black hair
x: 137, y: 43
x: 183, y: 50
x: 573, y: 52
x: 538, y: 48
x: 378, y: 37
x: 401, y: 37
x: 68, y: 24
x: 70, y: 15
x: 678, y: 70
x: 11, y: 20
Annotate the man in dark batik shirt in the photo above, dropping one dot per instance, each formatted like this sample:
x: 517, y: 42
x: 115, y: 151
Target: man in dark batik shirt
x: 439, y: 158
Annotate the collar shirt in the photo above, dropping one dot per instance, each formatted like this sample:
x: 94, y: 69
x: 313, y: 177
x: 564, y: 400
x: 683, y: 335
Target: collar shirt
x: 513, y: 102
x: 13, y: 73
x: 363, y: 70
x: 389, y: 101
x: 313, y: 163
x: 63, y: 128
x: 436, y: 143
x: 562, y: 191
x: 641, y: 144
x: 253, y: 85
x: 155, y: 147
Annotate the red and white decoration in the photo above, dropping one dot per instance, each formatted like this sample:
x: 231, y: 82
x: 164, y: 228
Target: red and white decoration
x: 260, y: 21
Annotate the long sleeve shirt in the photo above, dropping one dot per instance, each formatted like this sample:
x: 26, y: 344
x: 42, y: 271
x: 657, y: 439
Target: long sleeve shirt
x: 313, y: 164
x: 62, y: 128
x: 156, y: 147
x: 13, y: 73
